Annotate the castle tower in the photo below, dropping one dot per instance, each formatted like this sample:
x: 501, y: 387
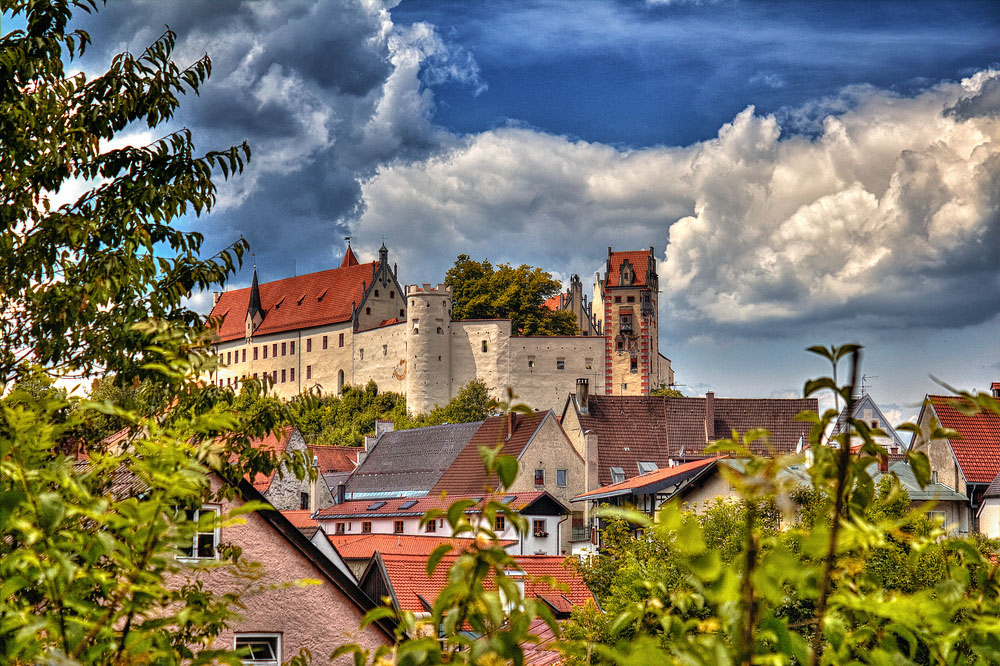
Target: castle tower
x: 632, y: 363
x: 428, y: 347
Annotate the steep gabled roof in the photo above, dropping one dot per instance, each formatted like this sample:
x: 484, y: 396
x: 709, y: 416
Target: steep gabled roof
x: 860, y: 405
x: 656, y: 429
x: 349, y: 258
x: 466, y: 475
x: 409, y: 462
x: 304, y: 301
x: 640, y: 261
x: 336, y: 458
x: 977, y: 449
x: 651, y: 482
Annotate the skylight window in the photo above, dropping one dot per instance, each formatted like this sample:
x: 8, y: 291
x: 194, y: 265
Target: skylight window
x: 407, y: 504
x: 375, y: 505
x: 647, y: 467
x: 509, y: 498
x: 617, y: 474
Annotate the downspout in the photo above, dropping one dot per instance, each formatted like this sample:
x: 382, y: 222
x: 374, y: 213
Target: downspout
x: 559, y: 533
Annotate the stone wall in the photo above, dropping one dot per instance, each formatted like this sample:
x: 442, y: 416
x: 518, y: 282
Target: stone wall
x: 285, y: 491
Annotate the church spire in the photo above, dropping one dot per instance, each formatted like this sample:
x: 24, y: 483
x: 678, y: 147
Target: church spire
x: 255, y: 313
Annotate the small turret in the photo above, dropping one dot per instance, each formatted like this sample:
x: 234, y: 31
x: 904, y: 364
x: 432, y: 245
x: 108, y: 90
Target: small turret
x: 255, y: 312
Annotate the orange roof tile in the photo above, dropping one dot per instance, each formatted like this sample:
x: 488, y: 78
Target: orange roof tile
x: 300, y: 519
x: 643, y: 480
x: 417, y: 506
x: 542, y: 652
x: 466, y: 474
x: 977, y: 450
x: 412, y: 586
x: 363, y: 546
x: 349, y: 259
x: 314, y: 299
x: 640, y: 260
x: 553, y: 303
x: 336, y: 458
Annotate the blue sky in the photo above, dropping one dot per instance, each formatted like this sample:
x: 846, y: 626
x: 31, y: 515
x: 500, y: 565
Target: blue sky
x: 806, y: 172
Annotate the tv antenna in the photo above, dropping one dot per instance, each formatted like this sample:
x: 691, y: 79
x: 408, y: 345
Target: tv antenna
x: 865, y: 382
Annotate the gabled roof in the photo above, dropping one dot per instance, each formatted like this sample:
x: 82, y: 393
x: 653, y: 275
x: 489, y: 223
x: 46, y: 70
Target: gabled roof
x: 993, y: 490
x: 860, y: 405
x: 553, y: 303
x: 466, y: 474
x: 409, y: 462
x: 652, y: 482
x: 409, y: 507
x: 363, y: 546
x: 274, y: 443
x: 349, y: 258
x: 932, y: 492
x: 634, y: 429
x: 640, y: 261
x: 303, y: 301
x: 413, y: 590
x: 336, y: 458
x: 300, y: 518
x: 977, y: 450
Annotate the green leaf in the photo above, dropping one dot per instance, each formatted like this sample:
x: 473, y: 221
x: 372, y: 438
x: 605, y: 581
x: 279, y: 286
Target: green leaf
x: 921, y: 466
x: 436, y: 556
x: 506, y: 467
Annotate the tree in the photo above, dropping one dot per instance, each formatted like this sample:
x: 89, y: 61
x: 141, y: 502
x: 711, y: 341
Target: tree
x: 77, y: 276
x: 480, y: 291
x: 666, y: 391
x: 472, y: 403
x: 88, y: 572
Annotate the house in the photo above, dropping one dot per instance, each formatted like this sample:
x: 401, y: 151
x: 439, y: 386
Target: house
x: 356, y: 323
x: 866, y: 410
x: 622, y: 437
x: 281, y: 488
x: 401, y: 516
x: 547, y: 461
x: 357, y: 550
x: 969, y: 462
x: 336, y: 463
x: 404, y: 579
x: 407, y: 463
x: 336, y: 604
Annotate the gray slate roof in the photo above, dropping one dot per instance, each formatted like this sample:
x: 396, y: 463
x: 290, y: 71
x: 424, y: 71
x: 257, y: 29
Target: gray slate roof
x: 409, y: 462
x: 932, y: 492
x: 993, y: 490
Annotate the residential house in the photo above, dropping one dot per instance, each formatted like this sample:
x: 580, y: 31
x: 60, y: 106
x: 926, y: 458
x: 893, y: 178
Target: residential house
x: 336, y: 463
x: 357, y: 550
x: 401, y: 516
x: 281, y: 488
x: 866, y: 410
x: 969, y: 462
x: 546, y: 459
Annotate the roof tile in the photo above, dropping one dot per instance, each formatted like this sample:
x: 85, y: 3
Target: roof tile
x: 977, y: 450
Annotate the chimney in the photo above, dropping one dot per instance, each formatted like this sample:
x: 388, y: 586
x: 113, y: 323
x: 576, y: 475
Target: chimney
x: 710, y: 415
x: 510, y: 424
x: 216, y: 295
x: 590, y: 459
x: 382, y: 427
x: 995, y: 389
x: 341, y: 493
x: 583, y: 395
x: 370, y: 442
x: 883, y: 463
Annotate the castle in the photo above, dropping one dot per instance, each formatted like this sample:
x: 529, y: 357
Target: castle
x: 355, y: 324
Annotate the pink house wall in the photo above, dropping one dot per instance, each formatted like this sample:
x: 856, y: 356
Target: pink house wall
x: 317, y: 617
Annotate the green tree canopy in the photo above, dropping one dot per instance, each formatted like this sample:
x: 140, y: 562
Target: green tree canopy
x: 481, y: 291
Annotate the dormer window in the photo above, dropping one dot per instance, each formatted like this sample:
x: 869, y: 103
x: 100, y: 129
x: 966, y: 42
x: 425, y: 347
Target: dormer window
x: 626, y: 274
x: 617, y: 474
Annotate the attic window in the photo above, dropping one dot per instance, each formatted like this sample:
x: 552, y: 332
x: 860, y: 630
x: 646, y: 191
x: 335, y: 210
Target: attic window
x: 280, y: 301
x: 617, y: 475
x: 407, y: 504
x: 321, y: 295
x: 647, y: 467
x: 508, y: 499
x: 301, y: 298
x: 376, y: 293
x: 375, y: 505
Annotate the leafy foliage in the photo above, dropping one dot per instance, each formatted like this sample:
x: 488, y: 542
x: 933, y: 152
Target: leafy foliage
x: 482, y: 291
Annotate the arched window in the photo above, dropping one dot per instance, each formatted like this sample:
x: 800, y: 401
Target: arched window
x: 416, y: 331
x: 440, y: 331
x: 340, y: 382
x: 368, y: 311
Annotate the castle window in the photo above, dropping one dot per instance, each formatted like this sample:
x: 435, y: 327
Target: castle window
x: 255, y: 353
x: 619, y: 345
x: 392, y: 294
x: 531, y: 361
x: 361, y: 354
x: 416, y: 331
x: 625, y: 322
x: 618, y: 299
x: 630, y: 299
x: 265, y: 351
x: 291, y: 375
x: 274, y: 350
x: 485, y: 346
x: 291, y: 347
x: 368, y: 311
x: 634, y: 366
x: 400, y: 313
x: 440, y: 331
x: 376, y: 293
x: 340, y: 382
x: 255, y: 375
x: 309, y: 345
x: 589, y: 363
x: 274, y: 377
x: 560, y: 364
x: 309, y: 372
x: 439, y: 358
x: 340, y: 341
x: 324, y: 342
x: 284, y: 349
x: 303, y: 501
x: 385, y: 350
x: 244, y: 354
x: 229, y: 358
x: 282, y: 375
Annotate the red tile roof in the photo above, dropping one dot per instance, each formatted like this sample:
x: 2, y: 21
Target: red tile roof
x: 553, y: 303
x: 363, y: 546
x: 349, y: 259
x: 301, y: 518
x: 540, y: 653
x: 634, y: 429
x: 336, y: 458
x: 640, y: 260
x: 651, y: 478
x: 391, y: 507
x: 977, y: 450
x: 408, y: 576
x: 466, y: 475
x: 314, y: 299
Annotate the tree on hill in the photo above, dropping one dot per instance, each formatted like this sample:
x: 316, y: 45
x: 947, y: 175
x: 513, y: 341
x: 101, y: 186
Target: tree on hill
x: 481, y: 291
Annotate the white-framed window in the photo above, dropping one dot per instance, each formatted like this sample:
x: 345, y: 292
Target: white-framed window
x: 617, y: 474
x: 561, y: 477
x: 205, y: 542
x: 647, y: 467
x: 259, y: 648
x: 538, y: 528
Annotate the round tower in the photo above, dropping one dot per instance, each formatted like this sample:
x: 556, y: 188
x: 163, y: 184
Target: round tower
x: 428, y: 347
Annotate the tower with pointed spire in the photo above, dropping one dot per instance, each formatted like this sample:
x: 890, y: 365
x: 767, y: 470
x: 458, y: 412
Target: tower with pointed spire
x: 255, y: 313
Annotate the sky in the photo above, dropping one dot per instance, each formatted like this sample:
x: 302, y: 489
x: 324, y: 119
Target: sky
x: 806, y: 173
